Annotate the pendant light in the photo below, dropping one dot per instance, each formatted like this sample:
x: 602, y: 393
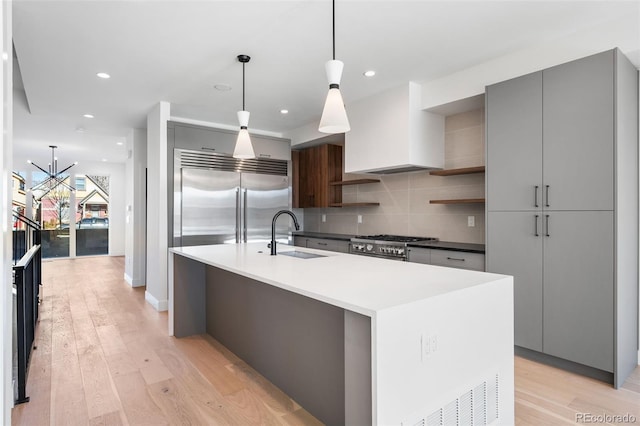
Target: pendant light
x: 334, y: 116
x: 244, y: 148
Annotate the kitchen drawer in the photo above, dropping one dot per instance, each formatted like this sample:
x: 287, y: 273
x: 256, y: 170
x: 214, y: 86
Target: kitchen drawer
x: 331, y: 245
x: 419, y: 255
x: 458, y: 259
x: 300, y: 241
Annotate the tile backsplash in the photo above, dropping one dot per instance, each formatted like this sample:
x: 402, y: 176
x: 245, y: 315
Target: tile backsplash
x: 404, y: 198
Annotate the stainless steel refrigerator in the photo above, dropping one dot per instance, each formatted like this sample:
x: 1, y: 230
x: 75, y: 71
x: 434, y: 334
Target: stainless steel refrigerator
x: 222, y: 200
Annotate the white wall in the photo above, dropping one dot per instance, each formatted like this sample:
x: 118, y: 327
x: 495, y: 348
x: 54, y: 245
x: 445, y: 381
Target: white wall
x: 116, y: 173
x: 135, y: 208
x: 472, y: 81
x: 157, y: 223
x: 6, y: 130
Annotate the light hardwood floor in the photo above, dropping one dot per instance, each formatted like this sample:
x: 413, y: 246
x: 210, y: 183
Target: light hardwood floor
x: 103, y: 357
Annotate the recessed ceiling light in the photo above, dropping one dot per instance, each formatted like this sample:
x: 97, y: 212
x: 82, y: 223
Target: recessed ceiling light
x: 284, y: 111
x: 119, y: 143
x: 103, y: 75
x: 104, y: 159
x: 222, y: 87
x: 369, y: 73
x: 88, y: 116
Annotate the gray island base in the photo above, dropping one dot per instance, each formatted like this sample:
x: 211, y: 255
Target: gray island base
x: 346, y: 355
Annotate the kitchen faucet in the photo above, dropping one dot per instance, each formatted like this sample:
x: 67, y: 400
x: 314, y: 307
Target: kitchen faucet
x: 273, y: 228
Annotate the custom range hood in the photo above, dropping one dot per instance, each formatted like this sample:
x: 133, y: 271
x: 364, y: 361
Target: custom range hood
x: 390, y: 133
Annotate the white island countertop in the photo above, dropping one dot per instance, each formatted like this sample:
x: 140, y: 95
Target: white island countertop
x: 361, y: 284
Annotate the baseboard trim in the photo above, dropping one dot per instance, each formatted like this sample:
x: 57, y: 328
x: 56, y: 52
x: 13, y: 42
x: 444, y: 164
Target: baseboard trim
x: 158, y: 305
x: 133, y: 282
x: 564, y: 364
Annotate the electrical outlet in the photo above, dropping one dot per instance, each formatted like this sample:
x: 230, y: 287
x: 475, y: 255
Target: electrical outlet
x: 324, y: 218
x: 471, y: 221
x: 359, y: 218
x: 428, y: 345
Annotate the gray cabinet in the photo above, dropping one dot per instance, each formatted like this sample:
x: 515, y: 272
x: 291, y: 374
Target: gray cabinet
x: 200, y: 138
x: 578, y: 134
x: 578, y: 287
x: 419, y: 255
x: 322, y: 244
x: 513, y: 247
x: 457, y: 259
x: 514, y: 156
x: 562, y: 242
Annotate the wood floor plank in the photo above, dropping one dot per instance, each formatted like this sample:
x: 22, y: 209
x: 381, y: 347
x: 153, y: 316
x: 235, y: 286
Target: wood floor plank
x: 200, y: 353
x: 110, y: 419
x: 177, y: 406
x: 110, y: 340
x: 99, y: 391
x: 139, y: 407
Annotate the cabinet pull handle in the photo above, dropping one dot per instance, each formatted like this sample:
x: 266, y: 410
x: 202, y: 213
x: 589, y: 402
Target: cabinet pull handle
x: 535, y: 196
x: 455, y: 258
x: 238, y: 215
x: 547, y: 196
x: 536, y: 220
x: 244, y: 219
x: 547, y: 231
x: 322, y: 244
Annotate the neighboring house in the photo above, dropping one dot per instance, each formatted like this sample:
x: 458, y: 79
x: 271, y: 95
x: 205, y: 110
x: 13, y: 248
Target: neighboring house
x: 18, y: 198
x: 92, y: 198
x: 92, y: 201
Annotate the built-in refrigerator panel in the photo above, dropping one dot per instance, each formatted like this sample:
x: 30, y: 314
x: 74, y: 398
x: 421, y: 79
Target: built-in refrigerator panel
x: 262, y: 197
x: 218, y: 199
x: 210, y: 200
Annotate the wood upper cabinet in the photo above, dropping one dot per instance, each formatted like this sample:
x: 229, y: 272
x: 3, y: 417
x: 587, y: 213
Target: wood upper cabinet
x: 313, y: 170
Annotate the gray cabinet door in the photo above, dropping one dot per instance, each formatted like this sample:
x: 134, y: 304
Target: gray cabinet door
x: 203, y: 139
x: 578, y: 287
x: 514, y: 143
x: 419, y: 255
x: 578, y: 134
x: 514, y: 249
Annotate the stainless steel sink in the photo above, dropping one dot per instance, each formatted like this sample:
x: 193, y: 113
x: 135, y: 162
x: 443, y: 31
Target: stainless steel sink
x: 301, y: 254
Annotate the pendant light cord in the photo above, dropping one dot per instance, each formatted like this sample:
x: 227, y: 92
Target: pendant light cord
x: 243, y: 86
x: 334, y: 28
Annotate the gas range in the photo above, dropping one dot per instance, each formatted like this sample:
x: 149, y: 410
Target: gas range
x: 386, y: 246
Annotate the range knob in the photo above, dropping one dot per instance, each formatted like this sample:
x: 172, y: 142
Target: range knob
x: 369, y: 247
x: 400, y: 251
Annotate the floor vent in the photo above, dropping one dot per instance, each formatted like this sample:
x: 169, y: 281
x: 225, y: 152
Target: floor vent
x: 477, y: 407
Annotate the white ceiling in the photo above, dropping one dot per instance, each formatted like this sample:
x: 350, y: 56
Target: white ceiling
x: 177, y: 51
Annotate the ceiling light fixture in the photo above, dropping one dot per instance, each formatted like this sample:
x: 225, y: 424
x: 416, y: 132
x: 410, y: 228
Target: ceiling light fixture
x: 88, y: 116
x: 54, y: 178
x: 119, y: 143
x: 284, y: 111
x: 103, y: 75
x: 243, y: 149
x: 334, y: 116
x: 369, y: 73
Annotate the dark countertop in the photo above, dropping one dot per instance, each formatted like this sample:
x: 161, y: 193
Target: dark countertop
x: 447, y: 245
x: 340, y: 237
x: 441, y: 245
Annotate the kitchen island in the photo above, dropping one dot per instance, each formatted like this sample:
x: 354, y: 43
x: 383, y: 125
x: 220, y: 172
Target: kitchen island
x: 355, y: 339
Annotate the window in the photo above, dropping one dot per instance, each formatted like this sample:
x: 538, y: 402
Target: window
x: 80, y: 184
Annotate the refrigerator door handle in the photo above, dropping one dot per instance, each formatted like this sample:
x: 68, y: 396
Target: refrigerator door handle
x: 237, y: 215
x: 244, y: 219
